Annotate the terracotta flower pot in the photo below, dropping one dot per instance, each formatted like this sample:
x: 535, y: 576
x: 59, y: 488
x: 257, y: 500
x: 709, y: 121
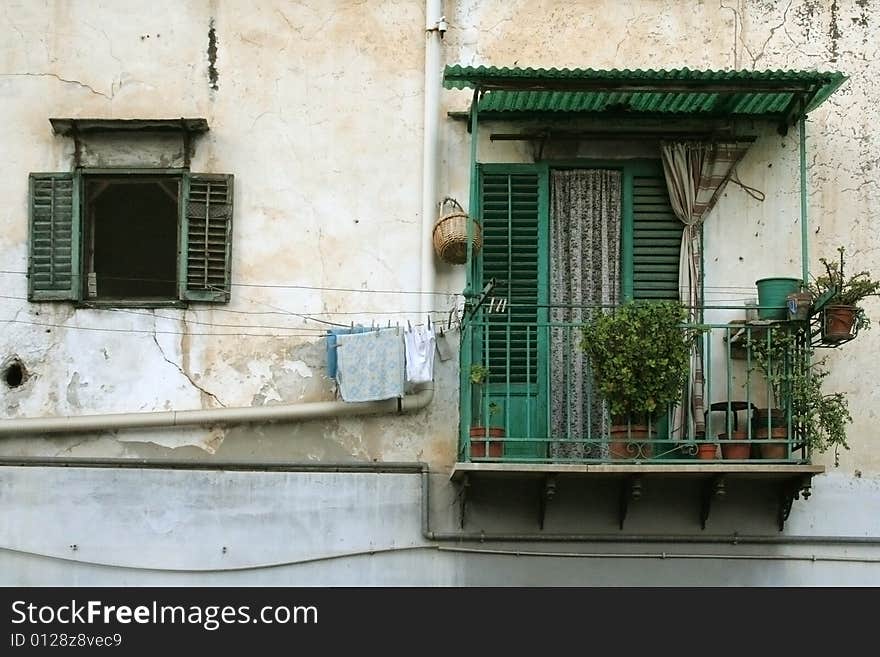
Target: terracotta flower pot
x: 627, y: 442
x: 737, y: 450
x: 839, y: 323
x: 776, y: 416
x: 774, y: 448
x: 480, y: 441
x: 707, y: 451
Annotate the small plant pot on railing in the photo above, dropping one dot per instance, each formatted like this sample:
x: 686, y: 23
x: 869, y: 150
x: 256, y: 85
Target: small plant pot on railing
x: 630, y: 442
x: 482, y: 443
x: 838, y: 323
x: 735, y: 445
x: 771, y: 424
x: 707, y: 451
x: 775, y: 445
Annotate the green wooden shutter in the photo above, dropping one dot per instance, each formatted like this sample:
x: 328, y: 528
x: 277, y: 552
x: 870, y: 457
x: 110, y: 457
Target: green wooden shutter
x: 513, y: 344
x: 54, y: 262
x: 656, y: 238
x: 206, y: 238
x: 510, y: 212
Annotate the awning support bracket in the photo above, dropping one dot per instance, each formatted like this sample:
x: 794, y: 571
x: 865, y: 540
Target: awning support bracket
x: 630, y: 489
x: 462, y: 500
x: 712, y: 488
x: 548, y: 492
x: 788, y: 493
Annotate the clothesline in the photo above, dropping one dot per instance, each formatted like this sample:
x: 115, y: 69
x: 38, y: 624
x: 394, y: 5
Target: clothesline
x: 372, y: 364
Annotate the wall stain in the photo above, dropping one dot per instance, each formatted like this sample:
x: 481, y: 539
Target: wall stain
x: 834, y: 32
x: 805, y: 16
x: 213, y: 75
x: 862, y: 19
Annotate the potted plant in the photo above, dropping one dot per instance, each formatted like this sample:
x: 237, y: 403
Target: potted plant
x: 480, y: 433
x: 842, y: 316
x: 821, y: 416
x: 774, y: 351
x: 795, y: 383
x: 640, y: 357
x: 707, y: 451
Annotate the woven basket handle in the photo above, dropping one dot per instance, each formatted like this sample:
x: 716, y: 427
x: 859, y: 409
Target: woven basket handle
x: 452, y: 201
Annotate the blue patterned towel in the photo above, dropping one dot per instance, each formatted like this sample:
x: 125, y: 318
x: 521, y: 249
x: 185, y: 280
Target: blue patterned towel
x: 370, y: 365
x: 331, y: 345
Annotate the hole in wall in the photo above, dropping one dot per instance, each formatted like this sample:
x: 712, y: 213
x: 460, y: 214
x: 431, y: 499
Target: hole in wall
x: 14, y: 373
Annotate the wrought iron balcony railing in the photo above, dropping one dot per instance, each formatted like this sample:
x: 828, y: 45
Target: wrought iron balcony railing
x: 529, y: 396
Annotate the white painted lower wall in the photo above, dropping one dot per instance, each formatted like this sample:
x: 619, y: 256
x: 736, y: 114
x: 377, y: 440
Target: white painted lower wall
x: 95, y: 526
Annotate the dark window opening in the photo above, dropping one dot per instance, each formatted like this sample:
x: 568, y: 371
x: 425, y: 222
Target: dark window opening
x: 131, y: 237
x: 14, y: 374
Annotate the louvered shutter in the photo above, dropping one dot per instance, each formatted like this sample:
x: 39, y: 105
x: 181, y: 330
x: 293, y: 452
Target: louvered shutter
x: 510, y: 213
x: 656, y: 238
x: 513, y: 344
x: 54, y: 262
x: 206, y: 241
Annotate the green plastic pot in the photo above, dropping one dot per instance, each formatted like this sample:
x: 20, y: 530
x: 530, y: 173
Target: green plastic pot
x: 773, y: 292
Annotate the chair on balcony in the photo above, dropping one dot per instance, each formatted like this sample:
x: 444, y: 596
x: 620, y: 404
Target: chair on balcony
x: 730, y: 406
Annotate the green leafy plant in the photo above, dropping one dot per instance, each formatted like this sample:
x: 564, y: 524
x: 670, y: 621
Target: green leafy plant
x: 479, y: 376
x: 640, y: 355
x: 823, y: 416
x: 845, y: 291
x: 479, y: 373
x: 772, y: 352
x: 796, y: 382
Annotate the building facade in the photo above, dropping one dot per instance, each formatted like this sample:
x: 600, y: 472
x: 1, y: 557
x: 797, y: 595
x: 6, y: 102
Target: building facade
x: 279, y: 168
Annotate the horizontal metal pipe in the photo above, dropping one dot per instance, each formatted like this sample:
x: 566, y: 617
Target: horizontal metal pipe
x: 600, y: 134
x: 389, y: 467
x: 730, y: 539
x: 212, y: 416
x: 659, y: 555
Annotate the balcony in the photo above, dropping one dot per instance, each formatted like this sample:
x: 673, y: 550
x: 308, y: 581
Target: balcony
x: 531, y: 408
x: 539, y: 403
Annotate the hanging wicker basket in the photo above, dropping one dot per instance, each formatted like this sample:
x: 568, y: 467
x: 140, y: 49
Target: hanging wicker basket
x: 450, y: 233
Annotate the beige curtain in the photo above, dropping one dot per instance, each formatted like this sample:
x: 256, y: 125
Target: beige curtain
x: 696, y: 173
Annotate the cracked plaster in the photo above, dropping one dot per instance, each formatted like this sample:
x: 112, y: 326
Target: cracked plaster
x: 318, y: 113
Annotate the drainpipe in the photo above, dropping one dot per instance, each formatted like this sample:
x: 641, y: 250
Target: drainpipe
x: 214, y: 416
x: 805, y: 233
x: 435, y: 26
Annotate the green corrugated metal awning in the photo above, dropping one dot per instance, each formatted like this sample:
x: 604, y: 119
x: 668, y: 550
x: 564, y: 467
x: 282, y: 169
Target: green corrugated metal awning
x: 778, y: 95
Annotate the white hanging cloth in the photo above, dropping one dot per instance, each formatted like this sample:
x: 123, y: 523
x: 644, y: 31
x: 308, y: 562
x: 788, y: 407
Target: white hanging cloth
x: 419, y: 344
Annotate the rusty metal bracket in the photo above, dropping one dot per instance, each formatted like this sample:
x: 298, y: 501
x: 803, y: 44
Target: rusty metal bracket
x: 481, y: 299
x: 548, y: 492
x: 630, y: 489
x: 788, y: 493
x: 77, y: 149
x: 793, y: 113
x: 714, y: 487
x: 187, y: 145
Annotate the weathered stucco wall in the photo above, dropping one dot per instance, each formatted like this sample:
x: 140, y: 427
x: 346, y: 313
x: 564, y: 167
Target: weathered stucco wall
x: 317, y: 110
x: 316, y: 107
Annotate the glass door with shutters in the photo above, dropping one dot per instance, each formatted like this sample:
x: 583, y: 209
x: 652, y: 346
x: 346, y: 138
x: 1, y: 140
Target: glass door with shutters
x: 551, y: 244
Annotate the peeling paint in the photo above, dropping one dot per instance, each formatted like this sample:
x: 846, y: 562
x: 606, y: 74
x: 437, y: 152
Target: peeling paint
x: 301, y: 132
x: 73, y: 389
x: 300, y: 368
